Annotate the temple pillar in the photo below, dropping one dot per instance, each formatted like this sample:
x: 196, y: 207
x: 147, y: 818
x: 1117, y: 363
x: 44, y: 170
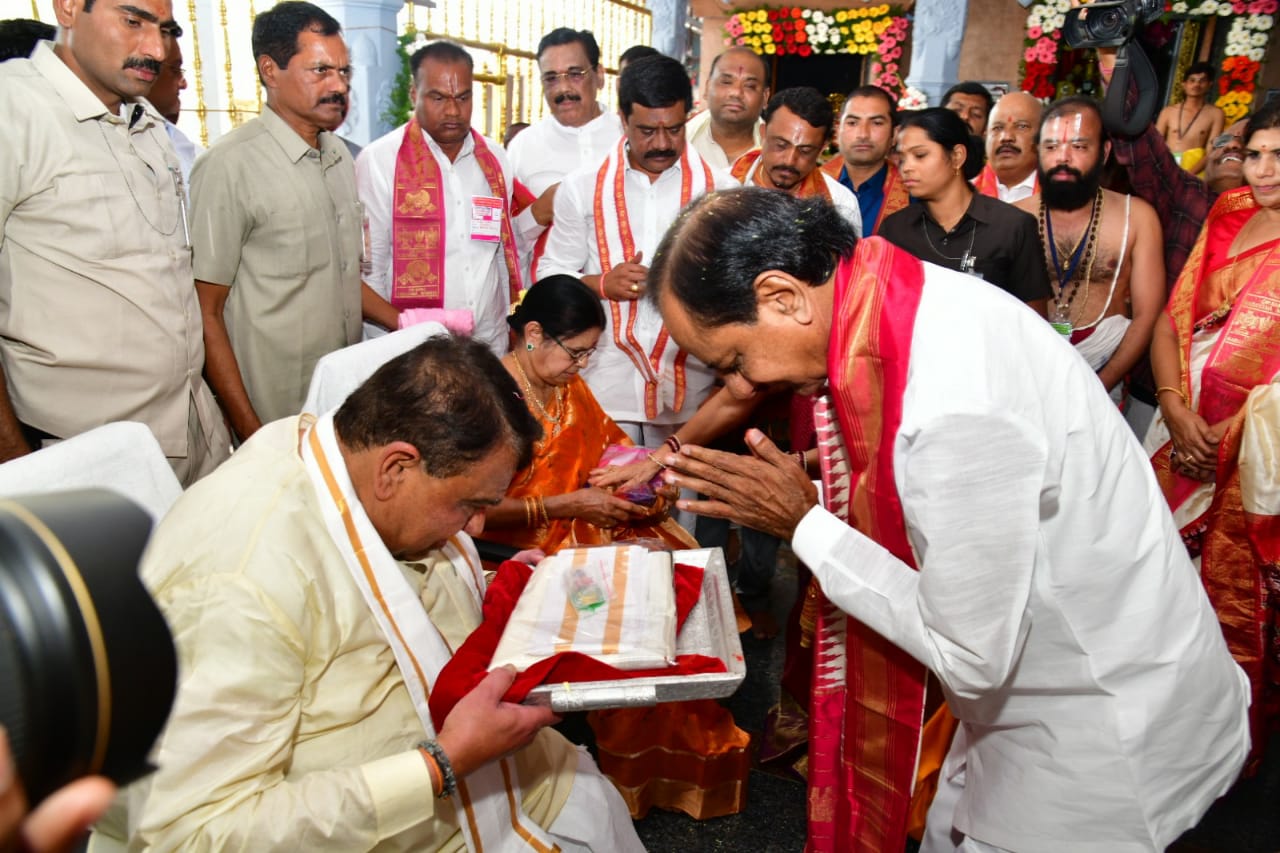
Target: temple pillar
x: 669, y: 18
x: 370, y: 29
x: 935, y: 46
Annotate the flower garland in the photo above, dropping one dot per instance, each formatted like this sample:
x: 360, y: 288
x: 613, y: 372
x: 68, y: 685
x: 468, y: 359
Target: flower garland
x: 793, y: 31
x: 1251, y: 23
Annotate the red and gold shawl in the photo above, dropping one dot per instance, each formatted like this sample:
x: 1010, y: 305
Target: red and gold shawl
x: 895, y: 194
x: 1239, y: 551
x: 743, y: 169
x: 418, y: 227
x: 868, y: 695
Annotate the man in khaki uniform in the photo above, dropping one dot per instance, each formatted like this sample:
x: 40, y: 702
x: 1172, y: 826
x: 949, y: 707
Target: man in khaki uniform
x: 98, y: 321
x: 276, y: 227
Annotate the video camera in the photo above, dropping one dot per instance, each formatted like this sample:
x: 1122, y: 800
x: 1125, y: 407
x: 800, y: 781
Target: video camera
x: 1109, y: 24
x: 1116, y: 23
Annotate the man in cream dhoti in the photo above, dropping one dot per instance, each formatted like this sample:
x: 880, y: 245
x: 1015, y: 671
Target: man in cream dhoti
x: 438, y: 198
x: 959, y: 533
x: 316, y: 585
x: 609, y: 218
x: 1103, y: 249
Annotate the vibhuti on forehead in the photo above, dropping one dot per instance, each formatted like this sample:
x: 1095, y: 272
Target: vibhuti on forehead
x: 1064, y: 129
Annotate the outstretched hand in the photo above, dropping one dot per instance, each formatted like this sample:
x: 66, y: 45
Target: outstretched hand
x: 482, y: 727
x: 766, y: 491
x: 621, y: 478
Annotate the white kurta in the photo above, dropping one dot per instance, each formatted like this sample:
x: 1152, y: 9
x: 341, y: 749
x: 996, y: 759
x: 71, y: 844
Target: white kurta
x: 698, y: 132
x: 546, y: 151
x: 571, y: 250
x: 475, y: 271
x: 1055, y: 600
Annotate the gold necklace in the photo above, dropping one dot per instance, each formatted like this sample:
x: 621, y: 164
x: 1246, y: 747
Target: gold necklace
x: 528, y: 387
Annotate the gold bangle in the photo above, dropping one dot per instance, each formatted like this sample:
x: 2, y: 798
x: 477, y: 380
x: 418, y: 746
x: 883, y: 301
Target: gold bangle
x: 1177, y: 391
x: 528, y: 512
x: 546, y: 519
x: 656, y: 461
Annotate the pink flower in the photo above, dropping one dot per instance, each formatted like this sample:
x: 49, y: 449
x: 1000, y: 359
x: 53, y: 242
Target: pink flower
x: 887, y: 44
x: 1239, y: 7
x: 1034, y: 33
x: 1046, y: 43
x: 891, y: 68
x: 876, y: 68
x: 1031, y: 55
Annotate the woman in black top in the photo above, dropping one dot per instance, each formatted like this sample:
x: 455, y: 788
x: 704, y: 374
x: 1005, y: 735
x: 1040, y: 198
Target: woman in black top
x: 953, y: 225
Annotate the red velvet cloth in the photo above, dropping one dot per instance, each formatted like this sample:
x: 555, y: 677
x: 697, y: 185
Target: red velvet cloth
x: 470, y: 663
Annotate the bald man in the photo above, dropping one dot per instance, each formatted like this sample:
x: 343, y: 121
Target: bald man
x: 737, y: 90
x: 1010, y: 173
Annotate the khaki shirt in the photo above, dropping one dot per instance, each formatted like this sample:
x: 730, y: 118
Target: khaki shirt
x: 293, y: 728
x: 99, y: 321
x: 277, y: 221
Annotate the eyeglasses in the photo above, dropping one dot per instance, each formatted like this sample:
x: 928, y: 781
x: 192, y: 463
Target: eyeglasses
x: 578, y: 357
x: 1226, y: 139
x: 573, y: 75
x: 322, y: 72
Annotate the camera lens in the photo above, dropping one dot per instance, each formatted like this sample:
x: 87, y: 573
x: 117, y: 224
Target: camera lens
x: 86, y: 658
x: 1107, y: 24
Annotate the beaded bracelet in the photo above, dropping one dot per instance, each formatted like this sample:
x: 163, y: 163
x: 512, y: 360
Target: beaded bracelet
x: 449, y: 782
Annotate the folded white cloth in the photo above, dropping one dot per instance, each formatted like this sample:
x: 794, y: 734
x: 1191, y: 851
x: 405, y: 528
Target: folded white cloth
x: 343, y: 371
x: 123, y: 457
x: 1098, y: 348
x: 616, y: 604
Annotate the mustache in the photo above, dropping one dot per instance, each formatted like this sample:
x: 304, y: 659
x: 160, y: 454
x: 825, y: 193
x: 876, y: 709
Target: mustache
x: 567, y: 96
x: 1010, y: 147
x: 152, y: 65
x: 335, y: 98
x: 660, y: 154
x: 787, y: 170
x: 1066, y: 170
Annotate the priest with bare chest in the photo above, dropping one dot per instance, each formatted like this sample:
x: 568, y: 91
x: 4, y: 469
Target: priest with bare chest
x: 1103, y: 249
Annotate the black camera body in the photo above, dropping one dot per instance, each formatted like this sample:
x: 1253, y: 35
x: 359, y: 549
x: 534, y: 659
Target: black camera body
x: 1109, y: 24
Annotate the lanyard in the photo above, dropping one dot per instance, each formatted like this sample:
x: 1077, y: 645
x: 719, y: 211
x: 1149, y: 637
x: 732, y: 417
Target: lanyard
x: 1075, y: 256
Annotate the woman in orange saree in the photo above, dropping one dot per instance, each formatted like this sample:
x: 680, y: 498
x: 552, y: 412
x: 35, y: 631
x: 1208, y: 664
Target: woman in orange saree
x: 1215, y: 444
x: 688, y: 756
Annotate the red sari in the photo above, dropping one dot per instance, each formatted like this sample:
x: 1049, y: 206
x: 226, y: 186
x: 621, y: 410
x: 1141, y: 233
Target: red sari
x: 1230, y: 369
x: 685, y: 756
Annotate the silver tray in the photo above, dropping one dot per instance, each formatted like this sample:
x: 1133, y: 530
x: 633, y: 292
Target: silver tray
x: 711, y: 629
